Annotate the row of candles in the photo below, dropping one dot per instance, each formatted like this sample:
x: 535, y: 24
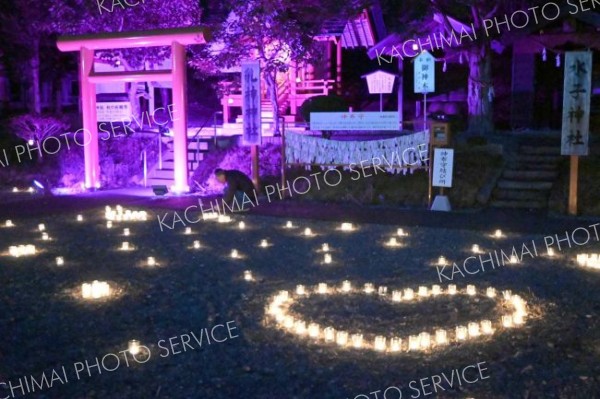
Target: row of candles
x: 120, y: 214
x: 281, y: 302
x: 589, y: 260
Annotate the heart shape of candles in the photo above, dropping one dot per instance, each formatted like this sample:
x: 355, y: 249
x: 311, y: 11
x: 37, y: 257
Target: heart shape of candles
x: 278, y: 309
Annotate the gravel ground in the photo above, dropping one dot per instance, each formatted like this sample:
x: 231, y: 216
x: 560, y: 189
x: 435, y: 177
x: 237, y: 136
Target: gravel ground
x: 45, y: 325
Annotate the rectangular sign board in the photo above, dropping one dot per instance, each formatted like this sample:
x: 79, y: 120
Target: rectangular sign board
x: 251, y: 103
x: 113, y: 111
x: 424, y: 73
x: 354, y: 121
x: 443, y: 161
x: 576, y: 103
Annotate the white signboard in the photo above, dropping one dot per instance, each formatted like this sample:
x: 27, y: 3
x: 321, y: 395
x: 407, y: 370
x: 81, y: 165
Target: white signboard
x: 380, y: 82
x: 576, y: 103
x: 354, y: 121
x: 443, y: 161
x: 113, y: 111
x: 251, y: 103
x: 424, y: 73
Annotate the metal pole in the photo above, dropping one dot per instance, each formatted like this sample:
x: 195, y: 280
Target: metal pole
x: 145, y: 169
x: 380, y: 102
x: 424, y: 111
x: 283, y: 156
x: 159, y: 150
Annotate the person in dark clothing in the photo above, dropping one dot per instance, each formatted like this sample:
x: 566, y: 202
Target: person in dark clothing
x: 238, y: 186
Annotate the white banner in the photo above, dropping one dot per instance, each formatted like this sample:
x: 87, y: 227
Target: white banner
x: 354, y: 121
x: 113, y: 111
x: 576, y: 103
x: 394, y: 155
x: 251, y: 103
x: 443, y: 162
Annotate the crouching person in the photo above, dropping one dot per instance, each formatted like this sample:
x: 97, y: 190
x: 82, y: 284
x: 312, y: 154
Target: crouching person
x: 239, y: 193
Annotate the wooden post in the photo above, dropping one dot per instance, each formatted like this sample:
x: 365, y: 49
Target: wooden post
x: 430, y: 160
x: 255, y: 174
x: 283, y: 156
x: 574, y: 176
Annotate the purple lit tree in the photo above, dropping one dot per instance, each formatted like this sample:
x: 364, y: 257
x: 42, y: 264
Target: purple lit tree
x: 37, y: 128
x: 276, y: 32
x: 418, y: 20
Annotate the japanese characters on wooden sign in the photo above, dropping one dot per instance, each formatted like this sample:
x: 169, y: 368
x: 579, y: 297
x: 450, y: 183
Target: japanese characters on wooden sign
x: 251, y: 103
x: 380, y: 82
x: 354, y: 121
x: 424, y: 73
x: 576, y: 103
x: 443, y: 161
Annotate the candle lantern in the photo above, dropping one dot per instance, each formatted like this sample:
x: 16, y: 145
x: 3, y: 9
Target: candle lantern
x: 234, y: 254
x: 45, y: 236
x: 347, y: 227
x: 413, y: 342
x: 9, y: 223
x: 393, y: 242
x: 125, y: 231
x: 471, y: 290
x: 441, y: 337
x: 473, y: 329
x: 498, y: 233
x: 357, y: 340
x: 382, y: 290
x: 506, y: 294
x: 475, y: 249
x: 322, y: 288
x: 188, y: 230
x: 264, y: 243
x: 507, y: 321
x: 401, y: 233
x: 289, y: 224
x: 41, y: 227
x: 346, y: 286
x: 442, y: 261
x: 313, y: 330
x: 409, y: 294
x: 395, y: 344
x: 369, y: 288
x: 461, y: 333
x: 196, y: 244
x: 60, y: 261
x: 423, y: 292
x: 125, y: 246
x: 424, y: 340
x: 490, y: 292
x: 248, y: 275
x: 436, y: 290
x: 242, y: 225
x: 79, y: 218
x: 396, y: 296
x: 451, y: 289
x: 308, y: 232
x: 342, y: 338
x: 325, y: 247
x: 300, y: 327
x: 486, y: 327
x: 327, y: 258
x: 380, y: 344
x: 329, y: 334
x: 134, y: 347
x: 109, y: 224
x: 300, y: 289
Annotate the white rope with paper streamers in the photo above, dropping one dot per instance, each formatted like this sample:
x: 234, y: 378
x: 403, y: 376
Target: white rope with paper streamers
x: 395, y: 155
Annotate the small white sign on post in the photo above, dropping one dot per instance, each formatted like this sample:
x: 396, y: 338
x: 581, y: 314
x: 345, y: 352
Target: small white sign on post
x: 380, y: 82
x: 443, y: 161
x: 576, y: 103
x: 354, y: 121
x: 424, y: 73
x: 113, y: 111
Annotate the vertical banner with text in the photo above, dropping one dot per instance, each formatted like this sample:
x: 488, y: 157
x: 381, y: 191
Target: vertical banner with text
x: 576, y: 103
x: 251, y: 103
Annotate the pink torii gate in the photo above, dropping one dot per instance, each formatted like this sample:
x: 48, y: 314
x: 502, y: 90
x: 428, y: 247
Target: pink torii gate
x: 86, y: 44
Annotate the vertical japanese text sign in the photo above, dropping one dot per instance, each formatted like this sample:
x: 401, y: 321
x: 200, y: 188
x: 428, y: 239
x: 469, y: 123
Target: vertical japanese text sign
x: 576, y: 103
x: 251, y: 102
x: 443, y: 162
x: 424, y: 73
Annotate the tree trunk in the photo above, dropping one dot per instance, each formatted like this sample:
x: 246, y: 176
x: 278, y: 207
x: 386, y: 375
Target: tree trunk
x: 480, y: 84
x: 57, y: 89
x: 34, y: 64
x: 270, y: 77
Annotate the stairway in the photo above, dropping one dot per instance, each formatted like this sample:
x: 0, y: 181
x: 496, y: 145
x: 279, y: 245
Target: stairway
x: 528, y: 177
x: 197, y: 148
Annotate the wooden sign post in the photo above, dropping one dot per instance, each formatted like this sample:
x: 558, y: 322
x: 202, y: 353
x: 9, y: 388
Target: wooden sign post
x: 576, y: 115
x: 252, y: 113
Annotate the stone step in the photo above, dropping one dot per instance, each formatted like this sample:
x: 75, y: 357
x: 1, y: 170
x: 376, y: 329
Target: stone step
x: 513, y: 174
x: 520, y: 204
x: 543, y: 159
x: 533, y: 166
x: 520, y: 195
x: 523, y: 185
x: 541, y: 150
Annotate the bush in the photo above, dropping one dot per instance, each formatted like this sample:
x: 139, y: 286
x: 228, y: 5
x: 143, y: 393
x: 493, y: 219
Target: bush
x: 330, y: 103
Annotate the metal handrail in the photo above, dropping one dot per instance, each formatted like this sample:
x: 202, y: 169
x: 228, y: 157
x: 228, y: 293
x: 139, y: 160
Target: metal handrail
x: 215, y: 126
x: 197, y: 138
